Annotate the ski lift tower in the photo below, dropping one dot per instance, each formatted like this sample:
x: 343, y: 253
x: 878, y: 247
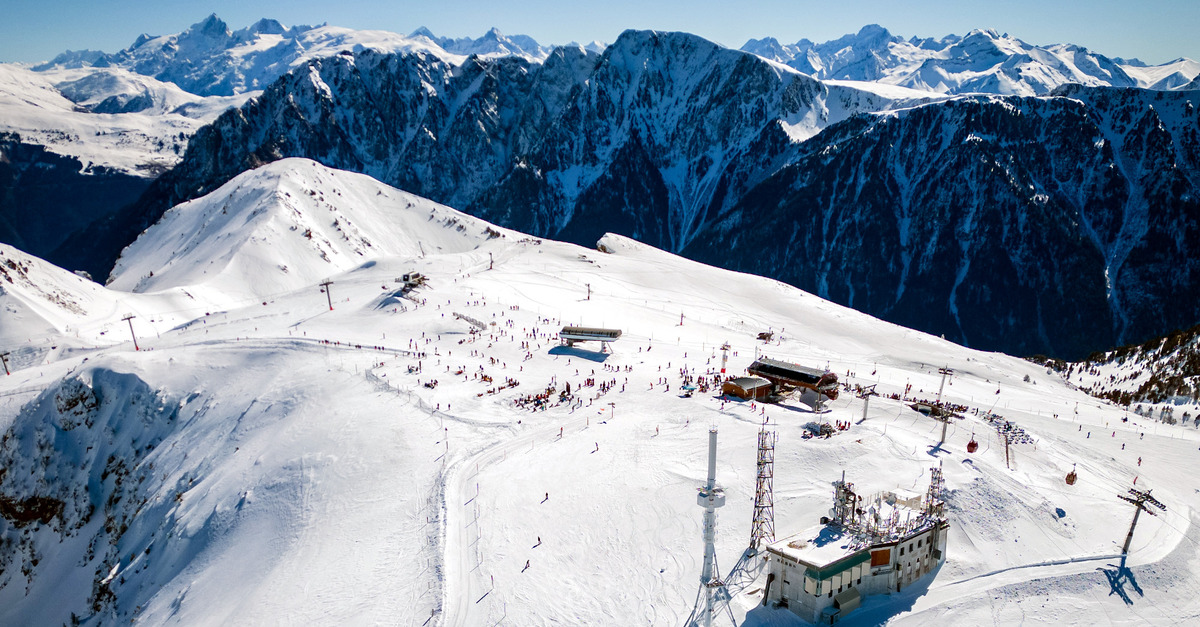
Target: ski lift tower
x: 866, y: 395
x: 712, y: 589
x: 944, y: 372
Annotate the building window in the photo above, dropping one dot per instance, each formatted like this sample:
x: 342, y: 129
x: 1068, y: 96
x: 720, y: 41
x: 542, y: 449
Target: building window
x: 902, y: 550
x: 920, y: 541
x: 859, y: 581
x: 831, y: 594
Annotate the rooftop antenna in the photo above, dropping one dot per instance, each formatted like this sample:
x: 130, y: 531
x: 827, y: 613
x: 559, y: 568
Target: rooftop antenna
x: 712, y: 589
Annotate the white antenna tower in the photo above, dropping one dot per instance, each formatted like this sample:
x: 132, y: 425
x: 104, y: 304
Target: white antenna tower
x: 710, y: 497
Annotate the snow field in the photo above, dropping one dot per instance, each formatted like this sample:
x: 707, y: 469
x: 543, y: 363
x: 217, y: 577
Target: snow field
x: 323, y: 483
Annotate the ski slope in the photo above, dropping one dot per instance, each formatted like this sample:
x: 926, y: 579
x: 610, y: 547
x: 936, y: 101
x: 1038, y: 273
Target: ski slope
x: 265, y: 459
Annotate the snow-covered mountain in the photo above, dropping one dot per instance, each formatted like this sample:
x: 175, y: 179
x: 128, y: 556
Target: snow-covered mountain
x: 662, y: 137
x: 1041, y: 225
x: 232, y: 239
x: 686, y: 145
x: 209, y: 59
x: 77, y: 146
x: 492, y: 43
x: 1163, y: 373
x: 982, y: 61
x: 104, y: 118
x: 271, y: 460
x: 84, y: 133
x: 657, y: 129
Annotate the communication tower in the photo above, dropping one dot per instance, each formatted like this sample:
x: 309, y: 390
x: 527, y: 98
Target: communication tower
x: 763, y: 526
x: 712, y: 589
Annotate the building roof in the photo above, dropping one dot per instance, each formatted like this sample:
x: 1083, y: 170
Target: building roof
x: 749, y: 383
x: 784, y: 370
x: 819, y: 547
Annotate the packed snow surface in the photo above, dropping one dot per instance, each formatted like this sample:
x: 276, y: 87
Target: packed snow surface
x: 266, y: 459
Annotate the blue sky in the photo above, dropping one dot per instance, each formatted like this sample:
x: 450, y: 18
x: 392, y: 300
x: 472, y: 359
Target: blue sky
x: 1155, y: 31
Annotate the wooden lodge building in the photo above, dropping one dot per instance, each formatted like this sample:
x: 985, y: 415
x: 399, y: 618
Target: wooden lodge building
x: 747, y: 388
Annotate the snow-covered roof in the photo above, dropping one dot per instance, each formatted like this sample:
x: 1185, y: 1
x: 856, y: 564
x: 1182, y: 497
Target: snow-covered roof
x: 818, y: 547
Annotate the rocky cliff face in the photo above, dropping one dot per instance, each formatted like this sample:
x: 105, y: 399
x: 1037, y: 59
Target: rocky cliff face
x: 1028, y: 225
x: 44, y: 197
x: 663, y: 125
x: 1053, y: 225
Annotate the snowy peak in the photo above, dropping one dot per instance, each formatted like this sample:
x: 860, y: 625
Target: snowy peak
x: 982, y: 61
x: 286, y: 225
x: 492, y: 43
x: 212, y: 28
x: 208, y: 59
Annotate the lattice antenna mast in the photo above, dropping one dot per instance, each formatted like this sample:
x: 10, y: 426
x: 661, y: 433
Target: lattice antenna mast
x: 934, y: 505
x: 763, y: 526
x: 845, y: 503
x: 1139, y: 499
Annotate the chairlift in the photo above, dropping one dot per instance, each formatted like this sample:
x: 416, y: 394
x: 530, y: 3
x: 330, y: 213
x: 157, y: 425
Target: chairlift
x: 972, y: 446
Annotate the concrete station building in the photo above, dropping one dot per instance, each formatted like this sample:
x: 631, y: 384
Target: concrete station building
x: 876, y: 546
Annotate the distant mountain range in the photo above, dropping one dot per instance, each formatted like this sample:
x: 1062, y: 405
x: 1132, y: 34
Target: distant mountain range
x: 1052, y: 214
x: 209, y: 59
x: 983, y: 61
